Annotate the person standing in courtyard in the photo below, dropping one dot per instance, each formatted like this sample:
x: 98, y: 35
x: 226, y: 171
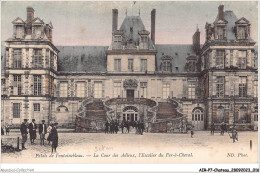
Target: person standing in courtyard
x: 32, y: 130
x: 49, y: 132
x: 192, y: 131
x: 42, y: 131
x: 234, y: 135
x: 24, y: 133
x: 127, y: 126
x: 54, y: 137
x: 7, y: 129
x: 212, y: 128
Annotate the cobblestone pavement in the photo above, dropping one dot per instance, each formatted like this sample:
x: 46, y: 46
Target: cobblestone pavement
x: 175, y: 148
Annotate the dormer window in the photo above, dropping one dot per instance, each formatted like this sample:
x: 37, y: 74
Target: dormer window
x: 220, y: 33
x: 242, y: 29
x: 166, y: 64
x: 18, y: 28
x: 144, y: 39
x: 117, y: 39
x: 19, y: 31
x: 241, y: 32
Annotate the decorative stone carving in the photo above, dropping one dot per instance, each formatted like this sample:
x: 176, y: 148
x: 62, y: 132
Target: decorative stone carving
x: 130, y: 83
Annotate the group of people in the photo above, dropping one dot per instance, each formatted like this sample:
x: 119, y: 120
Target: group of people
x: 51, y: 130
x: 223, y: 129
x: 113, y: 126
x: 7, y: 129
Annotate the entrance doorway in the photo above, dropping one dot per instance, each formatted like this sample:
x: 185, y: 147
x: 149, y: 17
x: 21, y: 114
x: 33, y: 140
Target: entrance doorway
x: 198, y: 119
x: 130, y: 94
x: 130, y: 113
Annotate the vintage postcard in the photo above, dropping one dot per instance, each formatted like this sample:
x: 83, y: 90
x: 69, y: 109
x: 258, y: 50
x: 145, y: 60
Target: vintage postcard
x: 129, y: 82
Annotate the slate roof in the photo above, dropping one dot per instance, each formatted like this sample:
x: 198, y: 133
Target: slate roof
x: 178, y: 52
x: 137, y: 24
x: 82, y: 58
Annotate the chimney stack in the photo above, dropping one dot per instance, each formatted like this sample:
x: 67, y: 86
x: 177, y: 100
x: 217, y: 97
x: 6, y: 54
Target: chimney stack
x: 30, y: 17
x: 196, y: 41
x: 221, y: 12
x: 153, y: 13
x: 114, y: 19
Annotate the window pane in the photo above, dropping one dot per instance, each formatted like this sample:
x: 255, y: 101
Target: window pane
x: 80, y: 89
x: 16, y: 110
x: 64, y: 89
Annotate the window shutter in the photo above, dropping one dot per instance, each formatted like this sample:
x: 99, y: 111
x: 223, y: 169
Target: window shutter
x: 12, y: 58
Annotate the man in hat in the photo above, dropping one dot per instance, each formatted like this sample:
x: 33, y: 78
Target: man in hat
x: 24, y: 132
x: 54, y: 137
x: 42, y: 131
x: 32, y: 130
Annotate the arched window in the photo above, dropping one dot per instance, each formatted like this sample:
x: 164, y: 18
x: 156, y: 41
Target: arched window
x: 197, y: 115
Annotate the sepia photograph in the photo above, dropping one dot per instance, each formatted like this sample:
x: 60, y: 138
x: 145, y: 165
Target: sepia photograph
x: 129, y: 82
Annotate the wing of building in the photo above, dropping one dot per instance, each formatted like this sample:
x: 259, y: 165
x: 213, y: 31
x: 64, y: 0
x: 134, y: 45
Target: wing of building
x: 133, y: 78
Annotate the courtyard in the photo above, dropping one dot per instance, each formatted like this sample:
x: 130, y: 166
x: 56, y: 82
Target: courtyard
x: 132, y: 148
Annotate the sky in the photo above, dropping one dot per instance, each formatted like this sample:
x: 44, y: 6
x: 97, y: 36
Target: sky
x: 90, y: 23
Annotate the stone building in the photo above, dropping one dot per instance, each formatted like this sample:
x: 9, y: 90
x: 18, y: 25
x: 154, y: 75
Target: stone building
x: 133, y: 78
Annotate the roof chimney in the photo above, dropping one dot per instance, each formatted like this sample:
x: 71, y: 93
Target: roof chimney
x: 30, y: 17
x: 196, y: 41
x: 221, y: 12
x: 114, y: 19
x: 153, y: 13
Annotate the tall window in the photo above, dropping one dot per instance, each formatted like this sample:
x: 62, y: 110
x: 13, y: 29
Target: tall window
x: 47, y: 58
x: 37, y: 58
x: 242, y: 86
x: 98, y: 89
x: 130, y: 65
x: 241, y: 63
x: 17, y: 85
x: 81, y: 89
x: 220, y: 86
x: 16, y: 110
x: 37, y: 86
x: 143, y: 65
x: 64, y: 89
x: 51, y: 60
x: 166, y: 90
x: 220, y: 33
x: 255, y: 88
x: 166, y: 66
x: 17, y: 58
x: 117, y: 89
x: 191, y: 91
x: 220, y: 56
x: 117, y: 65
x: 143, y: 89
x: 36, y: 107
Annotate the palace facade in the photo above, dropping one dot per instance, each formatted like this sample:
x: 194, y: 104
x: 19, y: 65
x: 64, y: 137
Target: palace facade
x: 132, y: 78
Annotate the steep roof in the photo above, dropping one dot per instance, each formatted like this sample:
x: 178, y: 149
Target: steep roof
x: 137, y: 24
x: 178, y: 52
x: 82, y: 58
